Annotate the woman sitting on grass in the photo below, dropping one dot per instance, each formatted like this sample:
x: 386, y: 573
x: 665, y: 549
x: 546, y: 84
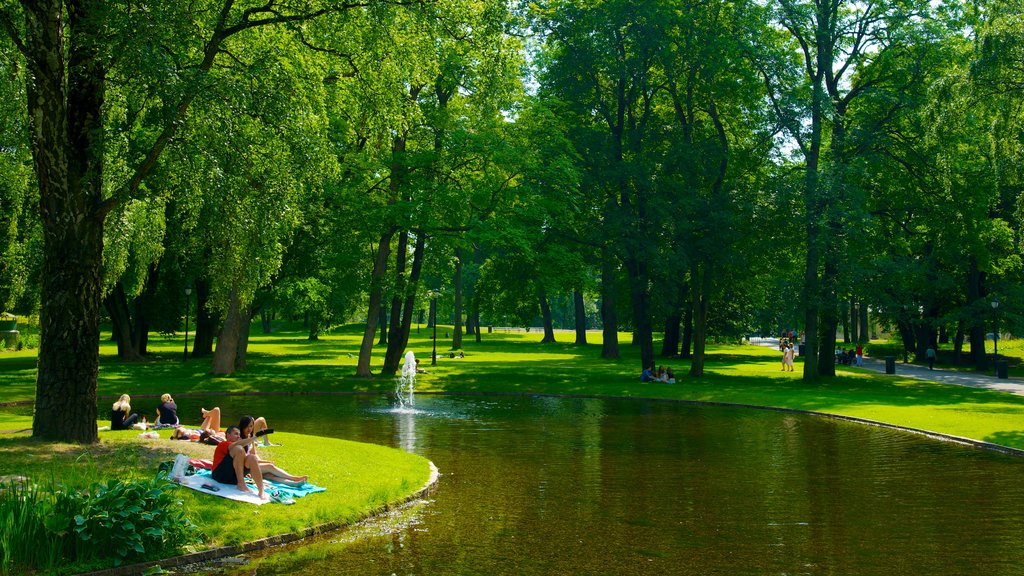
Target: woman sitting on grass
x: 121, y: 417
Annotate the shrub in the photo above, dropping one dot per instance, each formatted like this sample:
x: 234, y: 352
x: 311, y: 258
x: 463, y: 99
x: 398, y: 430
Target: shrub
x: 40, y: 527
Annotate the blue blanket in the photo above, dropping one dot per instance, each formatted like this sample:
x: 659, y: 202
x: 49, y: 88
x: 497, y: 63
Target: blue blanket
x: 279, y: 493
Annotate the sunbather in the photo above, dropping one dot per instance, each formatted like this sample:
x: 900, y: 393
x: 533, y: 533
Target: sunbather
x: 237, y: 456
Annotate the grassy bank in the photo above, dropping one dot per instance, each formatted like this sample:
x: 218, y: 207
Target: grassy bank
x: 515, y: 361
x: 359, y: 478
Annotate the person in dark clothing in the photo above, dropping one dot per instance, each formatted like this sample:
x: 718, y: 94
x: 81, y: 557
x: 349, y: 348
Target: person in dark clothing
x: 121, y: 417
x: 167, y: 411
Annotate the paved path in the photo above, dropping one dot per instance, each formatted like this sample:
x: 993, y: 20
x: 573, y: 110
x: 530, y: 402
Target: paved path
x: 971, y: 379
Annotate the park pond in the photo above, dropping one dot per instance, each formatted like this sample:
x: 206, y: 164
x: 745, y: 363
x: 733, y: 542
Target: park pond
x: 540, y: 485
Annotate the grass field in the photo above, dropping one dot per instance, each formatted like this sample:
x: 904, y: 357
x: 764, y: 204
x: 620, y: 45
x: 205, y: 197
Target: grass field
x: 504, y: 362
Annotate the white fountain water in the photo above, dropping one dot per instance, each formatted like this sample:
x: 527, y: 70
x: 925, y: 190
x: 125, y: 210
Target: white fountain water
x: 404, y: 390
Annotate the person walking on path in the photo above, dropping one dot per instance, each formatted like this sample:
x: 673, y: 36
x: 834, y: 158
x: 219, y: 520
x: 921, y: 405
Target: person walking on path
x: 860, y: 355
x: 930, y: 355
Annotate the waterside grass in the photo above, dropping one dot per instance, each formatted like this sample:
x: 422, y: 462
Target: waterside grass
x: 360, y: 478
x: 285, y: 362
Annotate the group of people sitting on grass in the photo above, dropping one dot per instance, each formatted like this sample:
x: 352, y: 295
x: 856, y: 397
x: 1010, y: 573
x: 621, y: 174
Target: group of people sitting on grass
x: 235, y: 456
x: 663, y: 374
x: 122, y: 417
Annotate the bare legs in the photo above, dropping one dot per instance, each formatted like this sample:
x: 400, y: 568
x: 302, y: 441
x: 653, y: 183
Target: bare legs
x: 211, y: 419
x: 240, y: 460
x: 275, y: 474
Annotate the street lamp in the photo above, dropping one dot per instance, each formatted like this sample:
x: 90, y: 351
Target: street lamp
x: 995, y: 333
x: 188, y: 293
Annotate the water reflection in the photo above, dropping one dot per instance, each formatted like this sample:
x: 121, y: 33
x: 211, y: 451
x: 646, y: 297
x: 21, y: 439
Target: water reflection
x: 586, y: 486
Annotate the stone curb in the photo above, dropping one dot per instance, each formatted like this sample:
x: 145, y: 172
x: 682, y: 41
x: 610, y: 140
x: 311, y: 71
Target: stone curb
x: 263, y: 543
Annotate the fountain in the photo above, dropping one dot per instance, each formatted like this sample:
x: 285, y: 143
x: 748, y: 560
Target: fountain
x: 404, y: 388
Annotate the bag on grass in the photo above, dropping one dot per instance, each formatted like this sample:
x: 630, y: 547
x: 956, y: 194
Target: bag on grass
x: 179, y: 467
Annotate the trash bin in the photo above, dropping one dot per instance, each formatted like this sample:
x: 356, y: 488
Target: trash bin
x: 890, y: 364
x: 490, y: 329
x: 1001, y: 369
x: 801, y: 349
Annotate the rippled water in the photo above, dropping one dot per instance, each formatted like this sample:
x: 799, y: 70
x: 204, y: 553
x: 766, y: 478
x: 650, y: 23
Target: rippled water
x: 584, y: 486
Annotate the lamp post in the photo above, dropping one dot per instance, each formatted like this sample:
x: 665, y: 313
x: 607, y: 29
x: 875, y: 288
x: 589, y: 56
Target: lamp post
x: 188, y: 293
x: 433, y: 316
x: 995, y: 332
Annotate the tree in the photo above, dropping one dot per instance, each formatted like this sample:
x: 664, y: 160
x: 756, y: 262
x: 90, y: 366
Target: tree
x: 72, y: 51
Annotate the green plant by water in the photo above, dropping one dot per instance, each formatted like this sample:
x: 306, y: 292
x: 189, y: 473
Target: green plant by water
x: 43, y: 527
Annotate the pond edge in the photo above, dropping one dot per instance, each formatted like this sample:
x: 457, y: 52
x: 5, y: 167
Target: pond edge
x: 270, y: 541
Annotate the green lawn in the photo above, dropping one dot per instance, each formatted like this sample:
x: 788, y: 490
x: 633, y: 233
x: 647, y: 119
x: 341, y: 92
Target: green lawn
x: 503, y: 362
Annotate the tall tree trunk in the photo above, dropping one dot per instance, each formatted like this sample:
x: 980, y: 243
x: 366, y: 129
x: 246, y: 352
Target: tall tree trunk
x: 830, y: 314
x: 637, y: 271
x: 65, y: 112
x: 144, y: 305
x: 265, y: 320
x: 975, y: 280
x: 854, y: 333
x: 958, y: 344
x: 382, y: 321
x: 226, y: 354
x: 116, y: 304
x: 400, y: 333
x: 545, y: 313
x: 702, y: 285
x: 673, y: 323
x: 685, y: 349
x: 457, y: 331
x: 380, y: 265
x: 206, y: 323
x: 905, y: 326
x: 476, y: 315
x: 609, y: 317
x: 580, y: 309
x: 242, y: 353
x: 401, y: 257
x: 865, y: 328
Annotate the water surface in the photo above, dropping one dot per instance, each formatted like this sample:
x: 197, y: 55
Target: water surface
x: 587, y: 486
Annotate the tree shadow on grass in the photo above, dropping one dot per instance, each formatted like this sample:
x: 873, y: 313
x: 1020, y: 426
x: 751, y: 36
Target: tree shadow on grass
x: 1012, y: 438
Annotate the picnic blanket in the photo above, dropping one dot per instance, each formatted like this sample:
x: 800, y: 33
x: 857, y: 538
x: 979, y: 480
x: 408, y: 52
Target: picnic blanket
x: 279, y: 493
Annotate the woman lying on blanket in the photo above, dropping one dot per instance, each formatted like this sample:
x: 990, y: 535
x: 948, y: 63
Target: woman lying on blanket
x: 207, y: 433
x: 237, y: 456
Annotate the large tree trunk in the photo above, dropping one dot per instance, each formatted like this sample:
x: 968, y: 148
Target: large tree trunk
x: 852, y: 335
x: 206, y: 323
x: 476, y: 315
x: 116, y: 304
x: 144, y: 305
x: 609, y: 318
x: 401, y: 329
x: 382, y: 321
x: 457, y: 331
x: 545, y: 313
x: 65, y: 111
x: 637, y: 271
x: 581, y: 316
x: 702, y: 286
x: 401, y: 256
x: 685, y: 349
x: 243, y: 341
x: 865, y: 328
x: 830, y: 314
x: 673, y: 324
x: 226, y: 354
x: 975, y: 280
x: 380, y: 265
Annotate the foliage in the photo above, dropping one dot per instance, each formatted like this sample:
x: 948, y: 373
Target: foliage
x: 48, y: 525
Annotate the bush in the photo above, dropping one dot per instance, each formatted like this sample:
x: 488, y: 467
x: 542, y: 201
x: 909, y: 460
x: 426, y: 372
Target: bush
x: 40, y: 527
